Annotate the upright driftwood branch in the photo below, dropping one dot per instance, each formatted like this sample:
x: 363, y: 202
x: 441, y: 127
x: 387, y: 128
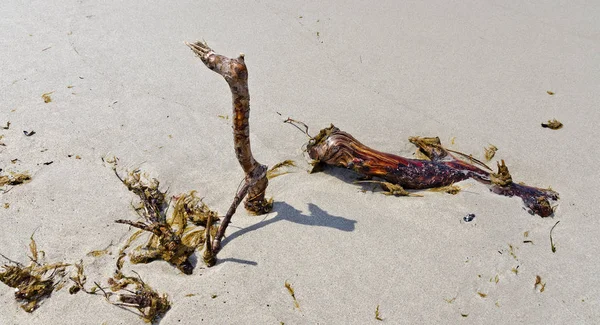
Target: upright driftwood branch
x: 337, y: 148
x: 234, y: 71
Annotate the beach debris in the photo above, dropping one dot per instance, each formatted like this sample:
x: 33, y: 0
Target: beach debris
x: 35, y: 282
x: 481, y: 294
x: 495, y: 279
x: 235, y: 73
x: 391, y: 188
x: 171, y: 238
x: 469, y: 217
x: 288, y: 286
x: 538, y: 282
x: 133, y: 293
x: 28, y: 133
x: 46, y: 97
x: 377, y: 315
x: 14, y: 178
x: 190, y: 207
x: 490, y: 152
x: 99, y: 253
x: 515, y: 270
x: 552, y: 246
x: 224, y: 117
x: 6, y: 205
x: 275, y: 170
x: 464, y: 315
x: 442, y: 167
x: 48, y: 163
x: 552, y: 124
x: 549, y: 92
x: 7, y: 126
x: 511, y: 251
x: 79, y: 280
x: 450, y: 189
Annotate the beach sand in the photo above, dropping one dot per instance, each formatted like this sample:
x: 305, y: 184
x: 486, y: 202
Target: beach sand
x: 123, y: 83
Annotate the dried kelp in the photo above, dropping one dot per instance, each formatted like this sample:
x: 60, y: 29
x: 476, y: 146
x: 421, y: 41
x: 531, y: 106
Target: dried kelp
x: 276, y: 169
x: 377, y: 314
x: 552, y: 246
x: 190, y: 207
x: 288, y: 286
x: 443, y: 167
x: 392, y: 189
x: 46, y: 97
x: 35, y: 282
x: 171, y: 238
x: 552, y: 124
x: 132, y: 292
x: 450, y: 189
x: 14, y: 178
x: 539, y: 283
x: 79, y: 280
x: 490, y: 152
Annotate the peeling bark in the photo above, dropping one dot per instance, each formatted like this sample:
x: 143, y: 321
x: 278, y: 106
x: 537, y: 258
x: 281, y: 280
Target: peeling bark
x: 234, y: 71
x: 337, y: 148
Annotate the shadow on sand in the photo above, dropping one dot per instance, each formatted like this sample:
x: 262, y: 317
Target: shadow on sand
x: 317, y: 217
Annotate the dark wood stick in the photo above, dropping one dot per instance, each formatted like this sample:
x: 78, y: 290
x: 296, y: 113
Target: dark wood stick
x: 234, y: 71
x: 337, y: 148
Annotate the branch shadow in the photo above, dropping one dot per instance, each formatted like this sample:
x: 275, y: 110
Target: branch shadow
x: 285, y: 212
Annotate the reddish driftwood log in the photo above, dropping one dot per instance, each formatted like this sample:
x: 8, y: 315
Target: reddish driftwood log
x: 337, y: 148
x: 234, y: 71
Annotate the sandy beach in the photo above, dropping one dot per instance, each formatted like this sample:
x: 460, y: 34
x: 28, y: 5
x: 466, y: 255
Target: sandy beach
x: 123, y: 83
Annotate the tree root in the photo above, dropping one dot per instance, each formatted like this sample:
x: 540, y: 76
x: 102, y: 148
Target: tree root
x: 440, y: 168
x: 234, y: 71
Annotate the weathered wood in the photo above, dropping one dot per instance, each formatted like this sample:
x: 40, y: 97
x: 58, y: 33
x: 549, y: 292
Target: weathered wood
x: 337, y: 148
x: 234, y: 71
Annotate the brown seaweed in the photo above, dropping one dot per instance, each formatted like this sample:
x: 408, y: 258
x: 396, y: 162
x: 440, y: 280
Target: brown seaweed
x: 131, y: 292
x: 288, y: 286
x: 552, y: 124
x: 34, y: 282
x: 14, y: 178
x: 171, y: 238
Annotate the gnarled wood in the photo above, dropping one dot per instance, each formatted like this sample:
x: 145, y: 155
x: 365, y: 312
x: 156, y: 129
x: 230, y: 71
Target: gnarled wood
x: 337, y: 148
x: 234, y: 71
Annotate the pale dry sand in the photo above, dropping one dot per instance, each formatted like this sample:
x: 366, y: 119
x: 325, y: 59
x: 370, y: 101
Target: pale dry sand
x: 475, y: 71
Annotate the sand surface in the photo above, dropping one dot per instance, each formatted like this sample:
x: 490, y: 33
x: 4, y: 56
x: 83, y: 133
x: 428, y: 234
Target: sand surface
x: 476, y: 72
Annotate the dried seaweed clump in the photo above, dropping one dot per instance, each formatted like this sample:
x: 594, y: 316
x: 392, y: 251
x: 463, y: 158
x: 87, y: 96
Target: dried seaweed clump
x: 502, y: 177
x: 14, y: 178
x: 490, y: 152
x: 191, y: 208
x: 132, y: 292
x: 553, y: 124
x: 172, y: 239
x: 450, y: 189
x: 32, y: 283
x: 79, y: 280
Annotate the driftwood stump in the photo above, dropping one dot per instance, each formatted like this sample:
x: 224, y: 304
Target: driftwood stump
x: 234, y: 71
x: 338, y: 148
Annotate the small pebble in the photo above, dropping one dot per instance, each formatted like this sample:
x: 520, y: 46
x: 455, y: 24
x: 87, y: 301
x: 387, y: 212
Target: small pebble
x: 469, y: 217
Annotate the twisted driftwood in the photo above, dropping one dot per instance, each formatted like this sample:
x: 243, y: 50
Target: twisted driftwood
x: 234, y: 71
x: 337, y: 148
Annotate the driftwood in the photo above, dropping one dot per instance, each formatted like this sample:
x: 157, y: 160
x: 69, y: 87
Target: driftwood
x: 234, y: 71
x: 440, y: 168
